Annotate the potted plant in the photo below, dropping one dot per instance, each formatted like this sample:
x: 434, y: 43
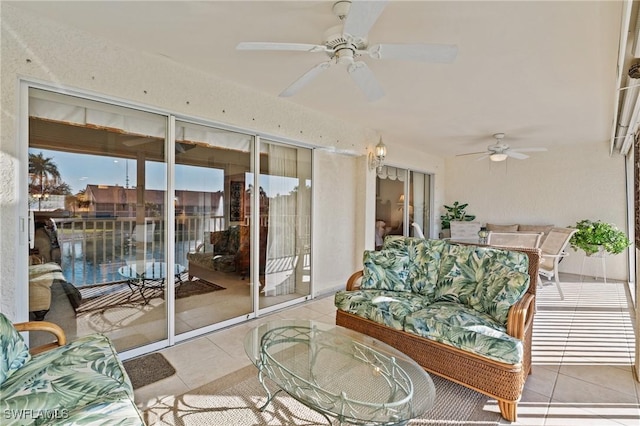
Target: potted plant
x: 454, y: 212
x: 597, y: 236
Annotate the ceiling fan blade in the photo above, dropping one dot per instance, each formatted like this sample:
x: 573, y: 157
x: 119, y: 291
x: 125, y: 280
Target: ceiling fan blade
x: 361, y: 17
x: 364, y: 78
x: 515, y: 154
x: 533, y: 149
x: 306, y: 78
x: 471, y: 153
x: 435, y: 53
x: 483, y: 157
x: 299, y: 47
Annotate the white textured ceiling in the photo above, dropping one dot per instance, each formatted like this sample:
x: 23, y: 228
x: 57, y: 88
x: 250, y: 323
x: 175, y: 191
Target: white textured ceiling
x: 543, y: 72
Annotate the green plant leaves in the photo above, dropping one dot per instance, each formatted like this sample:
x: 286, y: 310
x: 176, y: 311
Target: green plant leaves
x: 455, y: 212
x: 592, y: 235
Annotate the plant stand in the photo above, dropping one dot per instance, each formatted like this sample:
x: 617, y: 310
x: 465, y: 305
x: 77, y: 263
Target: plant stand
x: 602, y: 255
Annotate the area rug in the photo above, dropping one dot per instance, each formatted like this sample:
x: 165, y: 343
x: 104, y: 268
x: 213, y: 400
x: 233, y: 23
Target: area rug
x: 148, y: 369
x: 235, y: 398
x: 98, y: 298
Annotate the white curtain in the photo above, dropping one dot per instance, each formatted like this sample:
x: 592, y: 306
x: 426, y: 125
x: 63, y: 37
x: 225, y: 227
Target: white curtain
x: 281, y: 256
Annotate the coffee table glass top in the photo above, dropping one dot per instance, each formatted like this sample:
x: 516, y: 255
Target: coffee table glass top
x: 339, y: 372
x: 148, y: 270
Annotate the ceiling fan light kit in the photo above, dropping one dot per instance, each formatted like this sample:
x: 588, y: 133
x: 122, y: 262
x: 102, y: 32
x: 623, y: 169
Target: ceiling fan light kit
x: 498, y: 157
x: 344, y: 44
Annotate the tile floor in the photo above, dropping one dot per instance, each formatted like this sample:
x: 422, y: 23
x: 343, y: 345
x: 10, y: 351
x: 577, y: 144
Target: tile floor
x: 582, y: 357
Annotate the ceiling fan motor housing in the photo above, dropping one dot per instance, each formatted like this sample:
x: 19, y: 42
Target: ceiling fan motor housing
x: 498, y: 147
x: 343, y: 46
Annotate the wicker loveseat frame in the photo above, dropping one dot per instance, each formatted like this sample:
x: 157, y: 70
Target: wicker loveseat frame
x: 498, y: 380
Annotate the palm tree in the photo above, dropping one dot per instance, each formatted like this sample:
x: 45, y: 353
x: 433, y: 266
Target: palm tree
x: 43, y: 172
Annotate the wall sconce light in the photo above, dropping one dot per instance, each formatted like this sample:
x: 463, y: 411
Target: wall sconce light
x: 498, y: 156
x: 376, y: 158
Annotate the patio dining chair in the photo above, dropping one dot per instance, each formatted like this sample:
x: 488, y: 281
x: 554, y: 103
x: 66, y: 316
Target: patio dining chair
x: 553, y: 250
x: 464, y: 231
x: 514, y: 239
x: 417, y: 231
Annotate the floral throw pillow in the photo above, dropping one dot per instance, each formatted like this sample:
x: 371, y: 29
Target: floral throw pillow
x: 15, y: 352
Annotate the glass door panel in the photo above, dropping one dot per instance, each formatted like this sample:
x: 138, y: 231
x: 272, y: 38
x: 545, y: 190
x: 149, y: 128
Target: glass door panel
x: 390, y: 203
x: 97, y: 195
x: 285, y: 223
x: 212, y: 182
x: 395, y: 212
x: 419, y: 204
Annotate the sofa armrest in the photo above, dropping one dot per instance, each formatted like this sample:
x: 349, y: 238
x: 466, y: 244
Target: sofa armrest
x: 353, y: 283
x: 521, y: 316
x: 50, y: 327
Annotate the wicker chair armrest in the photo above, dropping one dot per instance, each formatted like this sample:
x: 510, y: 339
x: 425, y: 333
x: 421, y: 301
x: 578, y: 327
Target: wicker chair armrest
x: 521, y: 316
x: 353, y: 283
x: 61, y: 338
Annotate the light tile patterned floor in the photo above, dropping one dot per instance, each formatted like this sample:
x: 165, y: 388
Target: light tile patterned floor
x: 582, y: 357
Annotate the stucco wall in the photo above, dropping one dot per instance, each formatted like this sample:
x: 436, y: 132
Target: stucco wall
x: 560, y: 187
x: 39, y: 50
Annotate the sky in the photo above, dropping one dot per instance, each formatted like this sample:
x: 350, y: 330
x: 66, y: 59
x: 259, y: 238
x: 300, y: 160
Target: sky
x: 80, y: 170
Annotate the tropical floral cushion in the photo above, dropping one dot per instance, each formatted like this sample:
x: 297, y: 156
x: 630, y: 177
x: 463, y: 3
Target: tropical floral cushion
x: 386, y: 270
x: 15, y: 352
x: 382, y: 306
x: 64, y: 381
x: 485, y: 279
x: 464, y: 328
x: 424, y: 265
x: 424, y: 260
x: 117, y: 410
x: 395, y: 242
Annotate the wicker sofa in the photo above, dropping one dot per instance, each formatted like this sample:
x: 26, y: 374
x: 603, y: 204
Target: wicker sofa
x: 462, y: 312
x: 80, y: 383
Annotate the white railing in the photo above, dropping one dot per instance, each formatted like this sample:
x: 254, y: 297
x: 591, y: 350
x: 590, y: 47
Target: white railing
x: 93, y: 249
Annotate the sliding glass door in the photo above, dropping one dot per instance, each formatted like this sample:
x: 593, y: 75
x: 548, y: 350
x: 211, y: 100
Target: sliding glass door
x: 212, y: 216
x: 151, y: 248
x: 285, y: 223
x: 419, y: 206
x: 402, y: 204
x: 98, y: 203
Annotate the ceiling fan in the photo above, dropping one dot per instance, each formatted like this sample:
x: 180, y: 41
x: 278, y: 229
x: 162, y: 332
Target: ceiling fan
x: 501, y: 151
x: 345, y: 44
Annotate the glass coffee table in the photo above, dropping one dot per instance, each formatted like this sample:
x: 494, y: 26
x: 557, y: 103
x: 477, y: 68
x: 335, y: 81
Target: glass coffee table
x: 148, y: 275
x: 339, y: 373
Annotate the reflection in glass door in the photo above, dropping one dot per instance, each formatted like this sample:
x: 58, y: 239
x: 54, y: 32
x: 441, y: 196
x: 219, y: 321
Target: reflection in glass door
x: 212, y: 198
x: 285, y: 223
x: 97, y: 195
